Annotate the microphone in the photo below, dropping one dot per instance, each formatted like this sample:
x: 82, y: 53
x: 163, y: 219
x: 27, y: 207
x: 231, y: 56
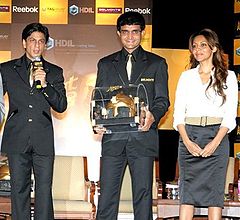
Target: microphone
x: 37, y: 63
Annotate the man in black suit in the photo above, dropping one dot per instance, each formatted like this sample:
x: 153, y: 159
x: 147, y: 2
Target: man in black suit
x: 28, y: 139
x: 137, y: 149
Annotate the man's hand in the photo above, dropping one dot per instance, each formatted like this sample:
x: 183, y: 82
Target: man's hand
x: 146, y: 119
x: 40, y: 74
x: 99, y: 129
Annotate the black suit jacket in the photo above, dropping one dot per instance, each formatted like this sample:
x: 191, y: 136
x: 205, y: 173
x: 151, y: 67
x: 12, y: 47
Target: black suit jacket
x: 29, y: 117
x: 152, y: 71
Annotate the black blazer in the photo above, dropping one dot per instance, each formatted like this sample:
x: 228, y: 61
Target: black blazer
x: 152, y: 71
x: 29, y: 116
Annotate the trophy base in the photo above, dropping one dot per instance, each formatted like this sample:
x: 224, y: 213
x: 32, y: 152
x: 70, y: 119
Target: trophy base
x: 110, y: 129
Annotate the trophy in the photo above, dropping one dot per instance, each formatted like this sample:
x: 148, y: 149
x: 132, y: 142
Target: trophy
x: 117, y: 107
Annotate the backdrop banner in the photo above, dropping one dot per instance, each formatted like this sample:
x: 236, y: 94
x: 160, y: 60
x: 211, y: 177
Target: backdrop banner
x: 81, y: 32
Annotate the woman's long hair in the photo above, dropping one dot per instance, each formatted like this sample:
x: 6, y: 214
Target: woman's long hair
x: 219, y: 61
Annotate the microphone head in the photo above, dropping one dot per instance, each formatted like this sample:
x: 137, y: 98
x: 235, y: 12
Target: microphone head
x: 37, y: 63
x: 37, y: 58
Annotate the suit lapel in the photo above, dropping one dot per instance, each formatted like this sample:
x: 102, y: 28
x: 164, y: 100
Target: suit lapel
x: 21, y: 70
x: 119, y: 65
x: 140, y: 66
x: 46, y: 68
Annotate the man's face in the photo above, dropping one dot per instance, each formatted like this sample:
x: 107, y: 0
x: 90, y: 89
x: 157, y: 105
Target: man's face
x: 130, y: 36
x: 34, y: 45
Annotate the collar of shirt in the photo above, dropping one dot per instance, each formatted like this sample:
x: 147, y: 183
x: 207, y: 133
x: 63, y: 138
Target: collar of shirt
x: 212, y: 71
x: 134, y: 54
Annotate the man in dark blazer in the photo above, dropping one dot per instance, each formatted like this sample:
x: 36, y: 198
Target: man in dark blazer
x: 28, y: 139
x: 137, y: 149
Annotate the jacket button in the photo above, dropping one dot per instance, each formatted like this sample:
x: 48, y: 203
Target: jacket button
x: 29, y: 120
x: 30, y: 106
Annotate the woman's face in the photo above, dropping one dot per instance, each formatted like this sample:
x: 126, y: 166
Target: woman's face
x: 201, y: 50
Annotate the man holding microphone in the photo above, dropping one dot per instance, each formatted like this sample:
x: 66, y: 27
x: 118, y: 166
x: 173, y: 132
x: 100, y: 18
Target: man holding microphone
x: 33, y: 90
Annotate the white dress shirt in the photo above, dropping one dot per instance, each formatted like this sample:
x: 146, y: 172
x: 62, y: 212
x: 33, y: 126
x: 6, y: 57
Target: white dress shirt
x: 191, y: 99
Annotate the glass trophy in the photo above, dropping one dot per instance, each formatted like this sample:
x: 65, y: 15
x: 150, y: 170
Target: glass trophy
x: 118, y: 108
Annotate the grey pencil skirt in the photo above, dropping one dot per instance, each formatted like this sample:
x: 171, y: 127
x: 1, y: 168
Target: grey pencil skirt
x: 202, y: 180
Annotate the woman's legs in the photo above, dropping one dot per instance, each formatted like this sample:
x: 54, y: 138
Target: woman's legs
x: 186, y: 212
x: 214, y: 213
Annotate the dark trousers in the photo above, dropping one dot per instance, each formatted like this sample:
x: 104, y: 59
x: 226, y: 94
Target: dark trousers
x: 21, y: 166
x: 111, y: 174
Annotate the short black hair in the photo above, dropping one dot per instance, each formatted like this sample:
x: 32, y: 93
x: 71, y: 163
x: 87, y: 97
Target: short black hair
x: 130, y: 18
x: 30, y: 28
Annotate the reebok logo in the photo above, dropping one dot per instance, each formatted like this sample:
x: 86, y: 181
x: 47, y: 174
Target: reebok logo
x: 143, y: 11
x: 25, y: 9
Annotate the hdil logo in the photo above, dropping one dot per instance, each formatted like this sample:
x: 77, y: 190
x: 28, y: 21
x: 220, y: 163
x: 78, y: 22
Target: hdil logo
x: 59, y: 43
x: 238, y: 51
x: 86, y: 10
x: 50, y: 43
x: 73, y: 10
x: 63, y: 43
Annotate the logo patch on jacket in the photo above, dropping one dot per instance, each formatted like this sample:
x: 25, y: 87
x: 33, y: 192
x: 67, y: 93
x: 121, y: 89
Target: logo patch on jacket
x: 147, y: 79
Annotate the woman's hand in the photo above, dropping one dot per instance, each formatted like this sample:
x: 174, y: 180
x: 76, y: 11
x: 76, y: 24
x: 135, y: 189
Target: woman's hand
x: 193, y: 148
x: 209, y: 149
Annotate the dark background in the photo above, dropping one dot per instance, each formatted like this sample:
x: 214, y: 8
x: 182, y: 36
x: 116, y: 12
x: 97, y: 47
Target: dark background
x: 173, y: 23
